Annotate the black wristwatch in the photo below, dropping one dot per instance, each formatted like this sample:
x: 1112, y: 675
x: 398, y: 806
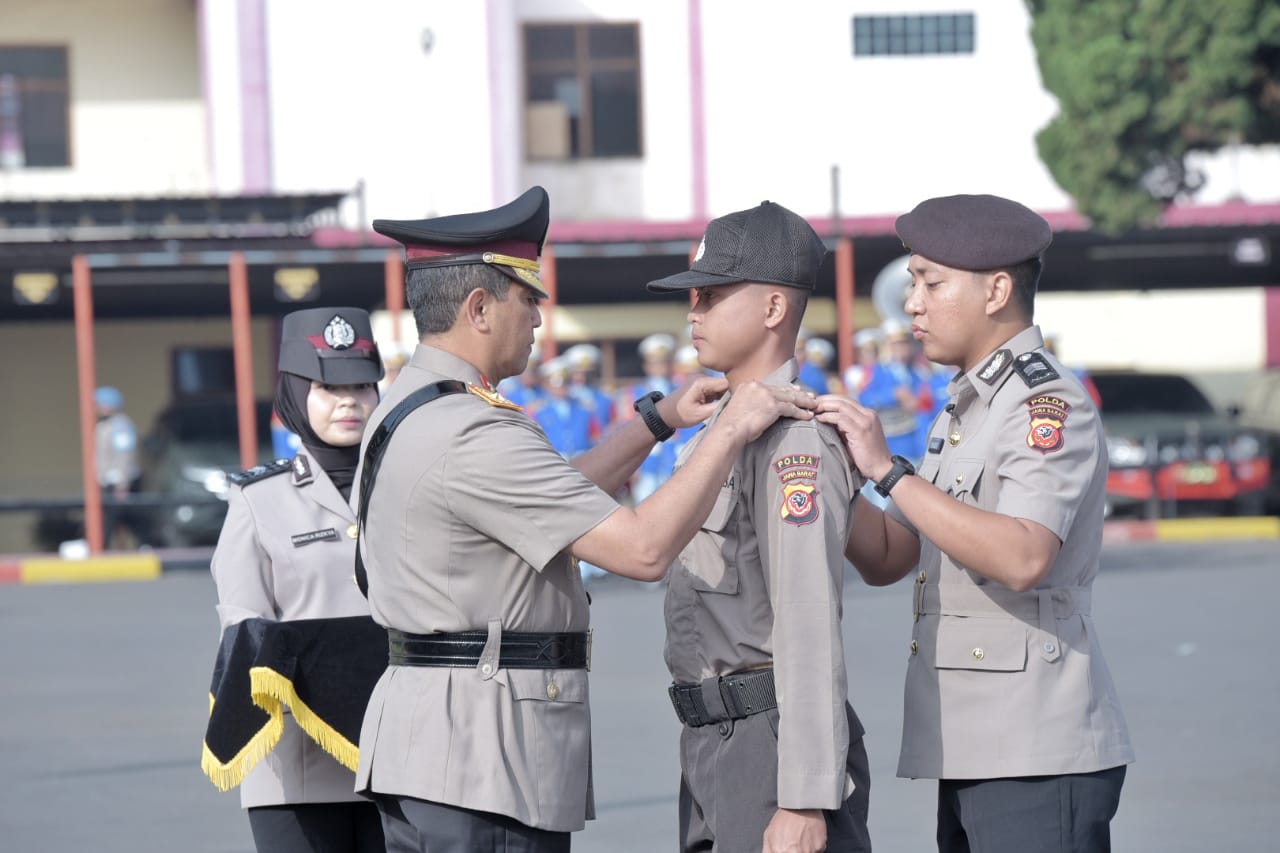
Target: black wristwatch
x: 901, y: 467
x: 647, y: 406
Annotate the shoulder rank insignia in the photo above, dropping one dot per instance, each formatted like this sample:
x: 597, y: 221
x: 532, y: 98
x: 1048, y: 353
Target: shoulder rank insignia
x: 493, y: 398
x: 260, y: 472
x: 301, y: 471
x: 1034, y: 369
x: 995, y: 366
x: 1048, y: 420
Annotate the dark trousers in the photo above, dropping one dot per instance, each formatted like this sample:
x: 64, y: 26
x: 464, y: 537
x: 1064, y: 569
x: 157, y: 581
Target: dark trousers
x: 729, y: 788
x: 421, y: 826
x: 1070, y: 813
x: 122, y: 516
x: 317, y: 828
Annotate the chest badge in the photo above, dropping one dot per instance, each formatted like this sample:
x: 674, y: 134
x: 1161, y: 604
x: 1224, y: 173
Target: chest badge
x: 329, y: 534
x: 953, y: 439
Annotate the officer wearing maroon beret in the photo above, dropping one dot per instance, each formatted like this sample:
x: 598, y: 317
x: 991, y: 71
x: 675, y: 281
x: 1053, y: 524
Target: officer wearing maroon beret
x: 1008, y: 702
x: 477, y: 737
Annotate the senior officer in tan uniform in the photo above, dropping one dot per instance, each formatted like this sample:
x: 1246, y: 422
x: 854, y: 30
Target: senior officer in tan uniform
x: 1009, y: 703
x: 477, y: 737
x: 283, y: 573
x: 771, y: 752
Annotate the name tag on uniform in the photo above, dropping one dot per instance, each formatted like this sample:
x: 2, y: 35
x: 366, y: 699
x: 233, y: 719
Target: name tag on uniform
x: 329, y: 534
x: 935, y: 444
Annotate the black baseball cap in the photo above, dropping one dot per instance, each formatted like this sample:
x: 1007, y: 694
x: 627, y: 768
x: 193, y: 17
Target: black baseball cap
x: 767, y: 244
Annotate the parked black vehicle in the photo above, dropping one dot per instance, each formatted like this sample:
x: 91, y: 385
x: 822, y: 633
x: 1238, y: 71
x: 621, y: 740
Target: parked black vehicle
x: 1172, y: 453
x: 186, y: 457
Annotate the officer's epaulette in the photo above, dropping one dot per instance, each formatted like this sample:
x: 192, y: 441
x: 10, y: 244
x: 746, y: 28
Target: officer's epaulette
x: 260, y: 472
x: 1034, y: 369
x: 492, y: 397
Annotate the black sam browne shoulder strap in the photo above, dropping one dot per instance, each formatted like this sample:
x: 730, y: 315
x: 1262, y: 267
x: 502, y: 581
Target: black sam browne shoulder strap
x: 378, y: 444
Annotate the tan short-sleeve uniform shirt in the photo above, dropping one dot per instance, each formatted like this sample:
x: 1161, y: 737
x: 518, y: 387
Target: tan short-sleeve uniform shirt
x: 1001, y: 683
x: 467, y: 529
x: 761, y: 584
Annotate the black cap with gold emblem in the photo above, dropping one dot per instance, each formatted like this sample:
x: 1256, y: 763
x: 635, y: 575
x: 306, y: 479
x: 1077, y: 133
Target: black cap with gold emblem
x: 330, y: 345
x: 509, y: 238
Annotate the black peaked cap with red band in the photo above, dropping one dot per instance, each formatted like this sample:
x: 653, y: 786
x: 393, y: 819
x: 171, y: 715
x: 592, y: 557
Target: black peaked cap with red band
x: 509, y: 238
x: 330, y: 345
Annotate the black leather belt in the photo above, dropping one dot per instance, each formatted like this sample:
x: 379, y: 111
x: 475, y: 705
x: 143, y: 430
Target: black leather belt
x: 740, y: 695
x: 519, y: 650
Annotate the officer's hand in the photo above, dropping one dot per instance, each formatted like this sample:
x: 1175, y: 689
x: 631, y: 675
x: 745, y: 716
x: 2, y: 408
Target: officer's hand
x: 792, y: 831
x: 693, y: 402
x: 755, y: 406
x: 862, y: 433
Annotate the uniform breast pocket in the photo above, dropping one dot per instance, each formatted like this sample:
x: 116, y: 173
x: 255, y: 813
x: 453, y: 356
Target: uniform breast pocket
x: 994, y: 645
x: 710, y: 559
x: 929, y: 468
x: 963, y: 480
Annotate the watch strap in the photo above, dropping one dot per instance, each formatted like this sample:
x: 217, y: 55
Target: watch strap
x: 901, y: 467
x: 647, y: 407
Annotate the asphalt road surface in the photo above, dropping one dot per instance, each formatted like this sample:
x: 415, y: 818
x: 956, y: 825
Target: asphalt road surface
x: 103, y: 690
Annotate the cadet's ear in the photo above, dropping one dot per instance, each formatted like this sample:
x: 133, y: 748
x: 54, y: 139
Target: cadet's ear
x: 776, y: 308
x: 475, y: 309
x: 999, y: 292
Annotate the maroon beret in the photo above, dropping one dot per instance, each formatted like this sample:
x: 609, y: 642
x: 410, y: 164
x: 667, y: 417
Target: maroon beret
x: 974, y: 232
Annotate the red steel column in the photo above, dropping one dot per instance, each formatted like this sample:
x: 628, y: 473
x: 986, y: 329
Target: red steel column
x: 844, y: 303
x: 242, y: 348
x: 547, y: 272
x: 82, y: 285
x: 393, y: 274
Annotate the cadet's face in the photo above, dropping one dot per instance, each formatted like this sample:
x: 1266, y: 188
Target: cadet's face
x: 946, y: 307
x: 724, y: 321
x: 338, y: 413
x: 514, y: 320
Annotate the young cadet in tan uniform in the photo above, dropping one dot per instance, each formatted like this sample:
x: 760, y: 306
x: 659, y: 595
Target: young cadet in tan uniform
x: 285, y: 554
x: 771, y: 753
x: 477, y: 737
x: 1008, y: 703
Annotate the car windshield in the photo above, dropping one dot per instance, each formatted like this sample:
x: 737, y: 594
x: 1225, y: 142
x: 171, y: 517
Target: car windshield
x: 1133, y: 394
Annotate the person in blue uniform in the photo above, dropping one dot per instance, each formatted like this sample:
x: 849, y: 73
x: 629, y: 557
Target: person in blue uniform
x: 525, y: 389
x: 568, y: 424
x: 815, y: 370
x: 656, y: 353
x: 584, y: 384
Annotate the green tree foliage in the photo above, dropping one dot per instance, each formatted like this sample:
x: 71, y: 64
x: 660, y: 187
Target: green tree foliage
x: 1143, y: 83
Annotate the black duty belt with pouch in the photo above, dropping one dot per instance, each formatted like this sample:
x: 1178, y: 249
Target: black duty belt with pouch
x: 520, y: 650
x: 726, y: 697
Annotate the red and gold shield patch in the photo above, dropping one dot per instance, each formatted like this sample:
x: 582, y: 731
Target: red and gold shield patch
x: 798, y: 473
x: 798, y: 504
x: 1048, y: 420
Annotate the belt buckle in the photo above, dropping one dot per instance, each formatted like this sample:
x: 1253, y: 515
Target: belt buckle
x: 590, y: 635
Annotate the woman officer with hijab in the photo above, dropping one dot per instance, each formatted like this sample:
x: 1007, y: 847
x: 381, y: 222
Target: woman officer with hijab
x: 292, y: 618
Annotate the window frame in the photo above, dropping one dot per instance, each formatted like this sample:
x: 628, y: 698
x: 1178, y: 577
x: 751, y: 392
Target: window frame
x: 46, y: 84
x: 583, y: 66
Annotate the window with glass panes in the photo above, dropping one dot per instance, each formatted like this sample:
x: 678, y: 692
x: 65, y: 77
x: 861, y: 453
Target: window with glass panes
x: 913, y: 35
x: 582, y: 91
x: 34, y: 107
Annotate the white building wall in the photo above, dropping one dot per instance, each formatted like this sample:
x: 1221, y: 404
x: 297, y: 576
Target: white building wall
x: 137, y: 118
x: 356, y: 97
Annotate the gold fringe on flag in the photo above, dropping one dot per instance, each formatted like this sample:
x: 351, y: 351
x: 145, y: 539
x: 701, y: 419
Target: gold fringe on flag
x: 270, y: 689
x: 229, y: 775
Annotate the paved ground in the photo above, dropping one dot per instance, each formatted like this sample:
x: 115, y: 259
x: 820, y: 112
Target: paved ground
x: 104, y: 693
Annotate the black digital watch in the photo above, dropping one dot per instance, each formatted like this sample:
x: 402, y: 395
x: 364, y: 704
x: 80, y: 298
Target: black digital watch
x: 647, y: 407
x: 901, y: 467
